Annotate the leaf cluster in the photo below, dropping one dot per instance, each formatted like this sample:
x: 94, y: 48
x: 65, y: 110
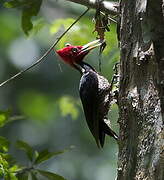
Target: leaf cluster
x: 29, y: 8
x: 10, y: 169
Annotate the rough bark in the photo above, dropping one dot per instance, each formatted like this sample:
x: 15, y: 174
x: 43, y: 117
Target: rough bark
x: 141, y: 93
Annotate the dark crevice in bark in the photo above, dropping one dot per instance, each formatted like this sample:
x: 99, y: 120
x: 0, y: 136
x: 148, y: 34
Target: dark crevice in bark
x: 157, y: 32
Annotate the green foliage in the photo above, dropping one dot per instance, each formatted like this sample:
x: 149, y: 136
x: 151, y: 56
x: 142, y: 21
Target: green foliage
x: 33, y: 175
x: 7, y: 167
x: 43, y: 107
x: 29, y: 9
x: 83, y: 32
x: 28, y: 13
x: 27, y: 148
x: 7, y: 22
x: 76, y: 34
x: 45, y: 155
x: 55, y: 27
x: 38, y: 24
x: 9, y: 170
x: 4, y: 144
x: 4, y: 117
x: 68, y: 106
x: 40, y: 108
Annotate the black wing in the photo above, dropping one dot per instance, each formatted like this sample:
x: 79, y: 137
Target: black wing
x: 89, y: 97
x: 94, y: 94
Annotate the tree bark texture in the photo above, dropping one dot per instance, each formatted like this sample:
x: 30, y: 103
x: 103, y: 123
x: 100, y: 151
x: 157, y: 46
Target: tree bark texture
x: 141, y: 91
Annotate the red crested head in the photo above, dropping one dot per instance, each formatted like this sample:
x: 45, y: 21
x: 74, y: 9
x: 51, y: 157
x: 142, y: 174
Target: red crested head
x: 73, y: 55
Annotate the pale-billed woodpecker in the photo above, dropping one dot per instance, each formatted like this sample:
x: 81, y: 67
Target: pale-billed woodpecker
x: 94, y: 90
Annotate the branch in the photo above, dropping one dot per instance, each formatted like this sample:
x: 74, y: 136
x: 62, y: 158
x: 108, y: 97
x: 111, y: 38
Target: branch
x: 105, y: 6
x: 46, y: 53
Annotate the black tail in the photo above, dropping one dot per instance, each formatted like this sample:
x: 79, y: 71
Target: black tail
x: 107, y: 130
x: 102, y: 138
x: 104, y: 129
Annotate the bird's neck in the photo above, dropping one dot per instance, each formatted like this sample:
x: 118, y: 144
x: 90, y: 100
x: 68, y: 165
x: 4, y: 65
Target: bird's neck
x: 86, y: 67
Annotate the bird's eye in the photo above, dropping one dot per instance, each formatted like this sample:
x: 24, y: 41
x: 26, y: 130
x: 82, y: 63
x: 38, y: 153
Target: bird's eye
x: 74, y: 50
x: 67, y: 45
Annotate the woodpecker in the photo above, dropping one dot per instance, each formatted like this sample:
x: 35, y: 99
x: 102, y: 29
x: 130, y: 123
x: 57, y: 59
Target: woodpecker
x: 94, y: 90
x: 95, y: 96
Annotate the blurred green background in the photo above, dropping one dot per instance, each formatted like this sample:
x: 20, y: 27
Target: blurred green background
x: 47, y: 96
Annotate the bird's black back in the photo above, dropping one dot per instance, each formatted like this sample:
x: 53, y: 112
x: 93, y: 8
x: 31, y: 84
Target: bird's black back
x: 89, y: 97
x: 95, y: 96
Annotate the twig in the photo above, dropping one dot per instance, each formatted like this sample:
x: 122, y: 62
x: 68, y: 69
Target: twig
x: 15, y: 118
x: 111, y: 19
x: 106, y: 6
x: 46, y: 53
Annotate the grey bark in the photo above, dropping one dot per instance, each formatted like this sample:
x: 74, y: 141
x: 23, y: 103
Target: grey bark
x: 141, y: 92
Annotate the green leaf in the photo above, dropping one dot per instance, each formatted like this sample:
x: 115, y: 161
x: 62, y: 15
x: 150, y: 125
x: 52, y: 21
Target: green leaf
x: 50, y: 175
x: 9, y: 158
x: 4, y: 117
x: 29, y: 9
x: 4, y: 144
x: 28, y: 13
x: 27, y: 148
x: 36, y: 154
x: 4, y: 165
x: 45, y: 155
x: 15, y: 168
x: 26, y: 22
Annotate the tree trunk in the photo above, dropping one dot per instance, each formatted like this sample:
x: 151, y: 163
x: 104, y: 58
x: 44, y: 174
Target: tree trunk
x: 141, y: 92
